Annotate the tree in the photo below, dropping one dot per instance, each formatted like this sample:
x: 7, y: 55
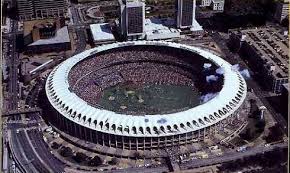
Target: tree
x: 96, y: 161
x: 55, y: 145
x: 80, y: 157
x: 260, y: 125
x: 285, y: 21
x: 66, y: 151
x: 137, y: 155
x: 247, y: 135
x: 274, y: 135
x: 114, y: 161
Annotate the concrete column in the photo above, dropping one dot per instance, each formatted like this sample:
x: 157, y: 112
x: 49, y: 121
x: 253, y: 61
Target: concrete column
x: 86, y: 137
x: 75, y: 129
x: 137, y: 144
x: 123, y: 142
x: 198, y: 134
x: 69, y: 126
x: 158, y: 141
x: 91, y: 135
x: 165, y: 141
x: 79, y: 131
x: 116, y: 141
x: 97, y: 137
x: 192, y: 135
x: 185, y: 138
x: 151, y: 142
x: 129, y: 143
x: 103, y: 142
x: 109, y: 140
x: 60, y: 121
x: 144, y: 143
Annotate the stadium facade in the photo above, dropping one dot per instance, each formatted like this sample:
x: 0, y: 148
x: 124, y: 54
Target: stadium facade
x: 75, y: 116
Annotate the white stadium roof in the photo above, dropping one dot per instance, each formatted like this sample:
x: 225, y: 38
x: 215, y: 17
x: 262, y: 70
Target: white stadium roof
x: 67, y: 103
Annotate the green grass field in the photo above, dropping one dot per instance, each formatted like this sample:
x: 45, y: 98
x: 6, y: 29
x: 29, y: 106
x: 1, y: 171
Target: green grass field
x: 150, y: 99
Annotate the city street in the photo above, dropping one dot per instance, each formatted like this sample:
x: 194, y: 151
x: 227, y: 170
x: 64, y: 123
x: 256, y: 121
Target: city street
x: 79, y: 28
x: 229, y: 156
x: 13, y: 62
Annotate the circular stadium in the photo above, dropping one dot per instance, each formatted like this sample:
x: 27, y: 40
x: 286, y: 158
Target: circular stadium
x: 144, y: 95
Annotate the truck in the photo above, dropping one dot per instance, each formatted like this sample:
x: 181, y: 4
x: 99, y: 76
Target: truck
x: 242, y: 149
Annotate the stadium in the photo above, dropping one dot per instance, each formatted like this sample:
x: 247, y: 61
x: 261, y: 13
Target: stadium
x: 144, y: 95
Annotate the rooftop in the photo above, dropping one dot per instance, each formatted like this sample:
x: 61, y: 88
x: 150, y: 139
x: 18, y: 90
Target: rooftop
x: 272, y: 46
x: 233, y: 93
x: 101, y: 32
x: 62, y: 36
x: 134, y: 4
x: 286, y: 86
x: 195, y: 26
x: 160, y: 29
x: 28, y: 25
x: 218, y: 1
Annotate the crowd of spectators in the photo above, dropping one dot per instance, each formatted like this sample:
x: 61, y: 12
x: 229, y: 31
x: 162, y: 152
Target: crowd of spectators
x: 139, y: 65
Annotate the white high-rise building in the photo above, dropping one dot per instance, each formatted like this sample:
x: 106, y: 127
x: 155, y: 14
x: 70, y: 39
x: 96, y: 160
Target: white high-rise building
x: 132, y: 19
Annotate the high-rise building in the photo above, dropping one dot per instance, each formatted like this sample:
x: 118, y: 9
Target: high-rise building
x: 282, y: 10
x: 41, y: 9
x: 185, y: 13
x: 25, y: 9
x: 132, y: 19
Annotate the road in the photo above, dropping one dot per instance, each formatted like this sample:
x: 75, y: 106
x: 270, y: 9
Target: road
x: 235, y: 59
x: 79, y: 29
x: 81, y: 42
x: 141, y: 170
x: 26, y: 142
x: 30, y: 149
x: 229, y: 156
x: 13, y: 62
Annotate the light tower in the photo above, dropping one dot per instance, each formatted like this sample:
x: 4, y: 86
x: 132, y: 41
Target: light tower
x: 262, y: 110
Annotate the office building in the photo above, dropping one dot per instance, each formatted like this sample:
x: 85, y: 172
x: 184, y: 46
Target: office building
x: 185, y: 13
x: 41, y: 9
x: 215, y: 5
x: 47, y: 35
x: 282, y: 10
x: 132, y: 19
x: 266, y: 50
x: 102, y: 33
